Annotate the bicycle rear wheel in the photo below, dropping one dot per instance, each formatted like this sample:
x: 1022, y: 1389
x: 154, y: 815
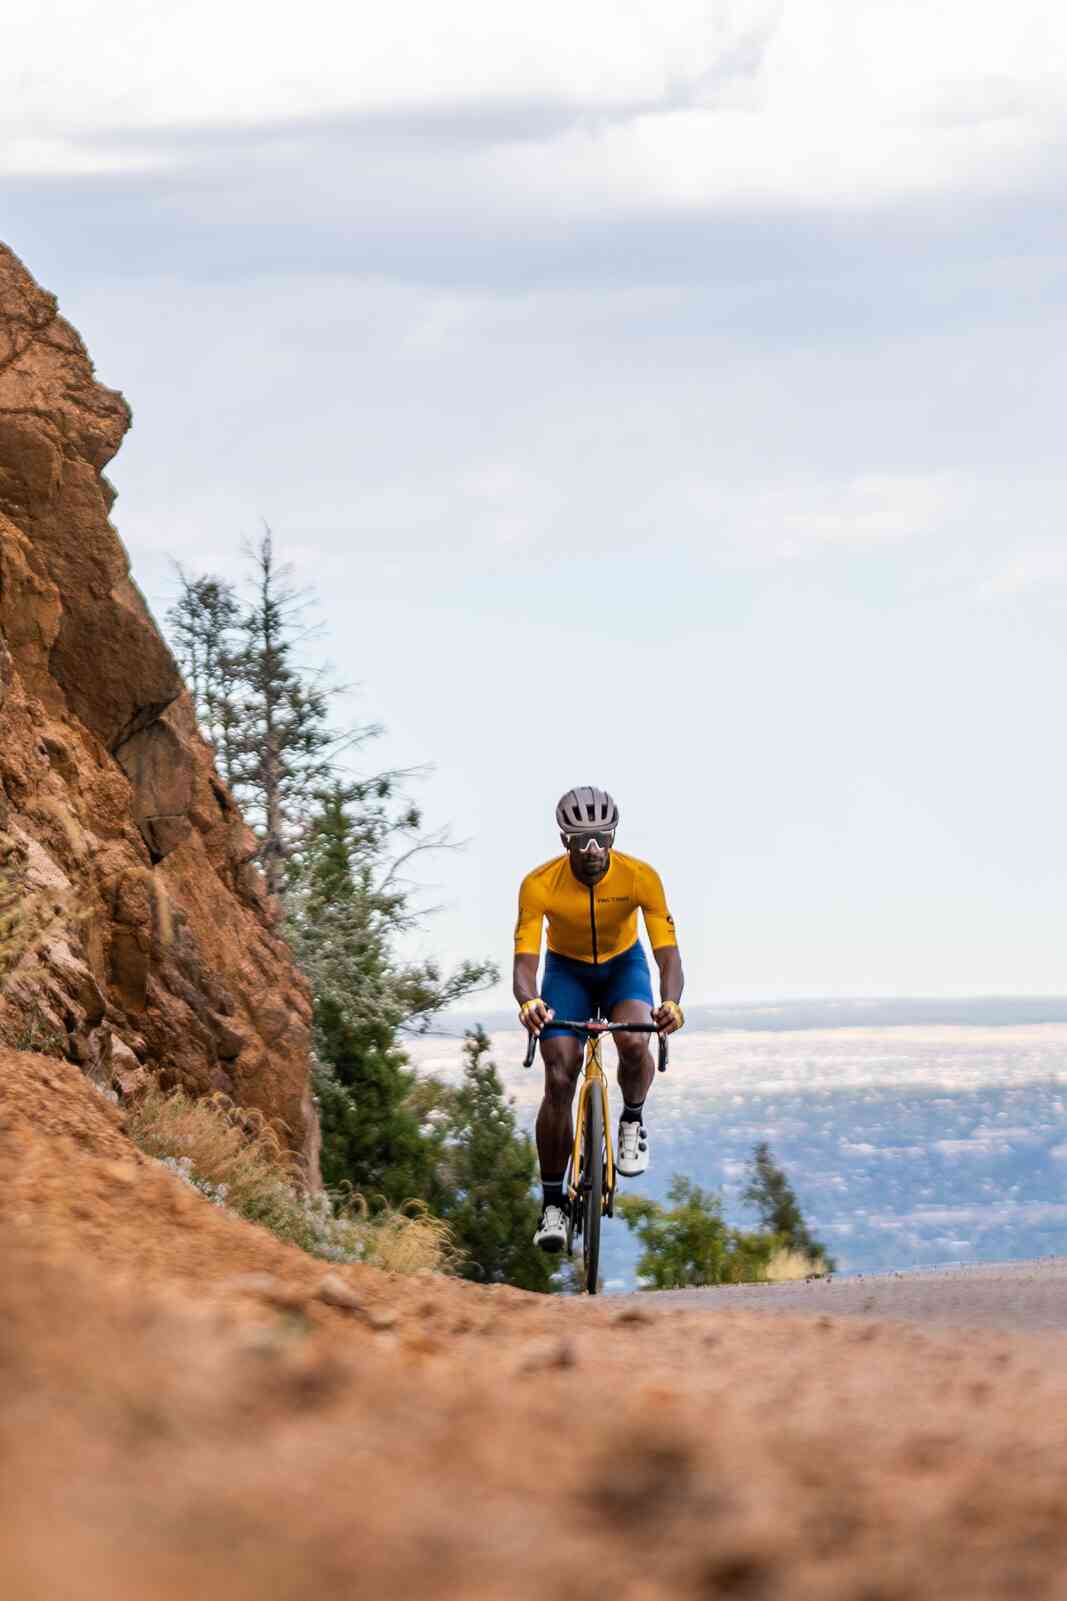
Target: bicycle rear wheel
x: 592, y: 1190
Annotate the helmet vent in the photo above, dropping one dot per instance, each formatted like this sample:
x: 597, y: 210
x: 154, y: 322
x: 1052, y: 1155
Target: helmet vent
x: 586, y: 806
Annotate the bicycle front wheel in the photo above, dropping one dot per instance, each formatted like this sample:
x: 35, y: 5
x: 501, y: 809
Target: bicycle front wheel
x: 592, y: 1191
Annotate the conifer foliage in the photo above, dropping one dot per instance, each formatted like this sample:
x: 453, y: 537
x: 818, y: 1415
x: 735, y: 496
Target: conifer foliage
x: 774, y: 1198
x: 337, y: 850
x: 689, y: 1242
x: 346, y: 911
x: 487, y: 1171
x: 204, y: 625
x: 267, y: 715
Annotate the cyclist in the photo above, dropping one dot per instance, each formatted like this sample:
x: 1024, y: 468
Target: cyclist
x: 590, y: 898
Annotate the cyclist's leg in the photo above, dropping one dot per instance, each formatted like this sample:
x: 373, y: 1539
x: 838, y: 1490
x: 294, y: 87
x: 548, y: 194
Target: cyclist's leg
x: 555, y: 1127
x: 636, y: 1068
x: 627, y: 998
x: 565, y: 988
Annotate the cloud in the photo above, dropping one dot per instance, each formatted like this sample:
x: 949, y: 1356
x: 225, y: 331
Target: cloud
x: 687, y: 105
x: 246, y: 64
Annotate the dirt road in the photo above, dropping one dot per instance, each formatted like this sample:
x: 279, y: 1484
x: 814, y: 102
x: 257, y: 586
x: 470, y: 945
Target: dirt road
x: 1014, y: 1296
x: 189, y: 1408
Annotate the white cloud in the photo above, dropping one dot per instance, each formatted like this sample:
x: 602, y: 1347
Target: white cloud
x: 686, y: 102
x: 125, y: 65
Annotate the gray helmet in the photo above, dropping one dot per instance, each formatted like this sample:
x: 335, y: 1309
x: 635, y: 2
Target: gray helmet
x: 586, y: 808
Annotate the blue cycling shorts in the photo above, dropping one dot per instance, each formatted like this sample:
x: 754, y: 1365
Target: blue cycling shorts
x: 581, y: 989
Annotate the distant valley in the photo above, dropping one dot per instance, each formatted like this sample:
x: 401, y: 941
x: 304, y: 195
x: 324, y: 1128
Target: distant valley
x: 908, y: 1144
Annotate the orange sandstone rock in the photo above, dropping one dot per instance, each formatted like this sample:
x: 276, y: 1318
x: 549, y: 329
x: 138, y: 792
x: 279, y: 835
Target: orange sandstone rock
x: 148, y: 939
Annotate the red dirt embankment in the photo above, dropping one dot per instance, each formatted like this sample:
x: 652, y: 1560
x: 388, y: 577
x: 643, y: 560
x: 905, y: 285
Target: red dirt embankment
x: 183, y: 1414
x: 144, y: 943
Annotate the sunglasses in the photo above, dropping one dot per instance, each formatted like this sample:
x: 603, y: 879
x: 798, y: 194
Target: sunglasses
x: 602, y: 840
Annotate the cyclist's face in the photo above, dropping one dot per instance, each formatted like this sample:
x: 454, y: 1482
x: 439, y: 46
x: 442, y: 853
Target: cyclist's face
x: 589, y: 865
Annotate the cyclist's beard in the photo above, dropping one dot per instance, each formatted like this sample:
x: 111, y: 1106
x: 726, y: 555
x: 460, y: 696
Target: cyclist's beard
x: 587, y: 868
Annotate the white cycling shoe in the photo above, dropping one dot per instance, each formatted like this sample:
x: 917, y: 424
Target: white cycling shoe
x: 552, y: 1230
x: 632, y: 1158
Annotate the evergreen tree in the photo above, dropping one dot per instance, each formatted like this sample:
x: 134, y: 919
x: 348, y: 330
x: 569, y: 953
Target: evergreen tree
x: 771, y: 1193
x: 287, y: 751
x: 204, y: 623
x: 266, y: 714
x: 346, y: 911
x: 489, y: 1171
x: 689, y: 1243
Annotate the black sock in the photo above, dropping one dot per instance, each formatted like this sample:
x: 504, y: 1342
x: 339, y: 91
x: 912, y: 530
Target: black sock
x: 631, y: 1114
x: 552, y: 1191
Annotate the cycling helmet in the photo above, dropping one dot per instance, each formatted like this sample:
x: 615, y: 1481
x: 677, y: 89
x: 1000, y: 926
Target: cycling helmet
x: 586, y: 808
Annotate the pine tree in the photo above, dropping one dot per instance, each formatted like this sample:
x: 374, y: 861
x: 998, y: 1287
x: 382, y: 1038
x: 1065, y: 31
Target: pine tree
x: 346, y: 911
x: 266, y: 714
x: 689, y: 1242
x: 287, y: 751
x: 771, y: 1193
x: 490, y: 1171
x: 204, y: 623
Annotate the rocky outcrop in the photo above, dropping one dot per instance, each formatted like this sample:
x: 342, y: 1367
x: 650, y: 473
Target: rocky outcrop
x: 136, y: 935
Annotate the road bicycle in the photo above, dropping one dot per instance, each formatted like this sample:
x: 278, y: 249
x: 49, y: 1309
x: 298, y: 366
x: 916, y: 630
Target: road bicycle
x: 591, y: 1172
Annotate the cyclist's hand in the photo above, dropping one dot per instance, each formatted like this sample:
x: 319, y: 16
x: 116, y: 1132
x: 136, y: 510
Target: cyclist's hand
x: 533, y: 1015
x: 668, y: 1017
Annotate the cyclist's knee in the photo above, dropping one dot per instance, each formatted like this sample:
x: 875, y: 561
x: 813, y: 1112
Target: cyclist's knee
x: 633, y: 1049
x: 561, y: 1071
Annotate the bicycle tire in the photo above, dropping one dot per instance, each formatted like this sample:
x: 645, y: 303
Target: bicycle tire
x: 592, y: 1192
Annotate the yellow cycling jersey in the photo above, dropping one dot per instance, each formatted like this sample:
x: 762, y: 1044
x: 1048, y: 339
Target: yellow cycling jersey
x: 592, y: 923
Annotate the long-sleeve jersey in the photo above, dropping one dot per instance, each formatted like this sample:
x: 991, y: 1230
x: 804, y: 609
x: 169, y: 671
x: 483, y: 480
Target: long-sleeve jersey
x: 592, y: 923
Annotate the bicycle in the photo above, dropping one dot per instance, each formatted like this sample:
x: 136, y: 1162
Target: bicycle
x: 591, y: 1172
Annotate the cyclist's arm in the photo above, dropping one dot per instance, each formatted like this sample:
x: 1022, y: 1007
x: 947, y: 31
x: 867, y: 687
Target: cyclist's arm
x: 527, y: 958
x: 668, y: 1014
x: 524, y: 978
x: 660, y: 926
x: 671, y: 977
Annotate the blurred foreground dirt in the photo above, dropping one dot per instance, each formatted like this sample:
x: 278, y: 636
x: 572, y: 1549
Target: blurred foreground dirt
x: 185, y: 1411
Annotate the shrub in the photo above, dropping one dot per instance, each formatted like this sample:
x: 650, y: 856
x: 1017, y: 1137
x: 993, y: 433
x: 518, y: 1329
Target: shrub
x: 787, y: 1265
x: 237, y: 1160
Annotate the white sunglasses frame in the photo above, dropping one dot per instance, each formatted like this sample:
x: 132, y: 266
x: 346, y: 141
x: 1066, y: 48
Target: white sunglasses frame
x: 592, y: 840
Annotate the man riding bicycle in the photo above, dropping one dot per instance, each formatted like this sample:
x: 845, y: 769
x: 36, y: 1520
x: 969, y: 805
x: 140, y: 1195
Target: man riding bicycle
x: 590, y: 898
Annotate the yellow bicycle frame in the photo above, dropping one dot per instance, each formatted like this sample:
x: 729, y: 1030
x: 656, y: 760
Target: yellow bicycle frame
x: 593, y: 1083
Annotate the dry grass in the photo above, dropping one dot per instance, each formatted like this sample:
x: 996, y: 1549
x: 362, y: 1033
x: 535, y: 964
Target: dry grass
x: 237, y: 1160
x: 786, y: 1266
x: 26, y: 913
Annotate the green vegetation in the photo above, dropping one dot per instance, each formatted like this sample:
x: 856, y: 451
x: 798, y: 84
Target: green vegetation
x: 771, y: 1193
x: 338, y: 848
x: 485, y: 1175
x: 688, y: 1242
x: 347, y: 910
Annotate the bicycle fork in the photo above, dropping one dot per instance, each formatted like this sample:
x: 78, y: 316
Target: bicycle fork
x: 594, y: 1084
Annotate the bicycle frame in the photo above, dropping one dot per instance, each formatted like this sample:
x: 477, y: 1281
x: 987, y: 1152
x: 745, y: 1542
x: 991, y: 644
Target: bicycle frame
x: 595, y: 1083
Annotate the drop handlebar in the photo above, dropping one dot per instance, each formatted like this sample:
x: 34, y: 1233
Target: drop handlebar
x: 594, y: 1026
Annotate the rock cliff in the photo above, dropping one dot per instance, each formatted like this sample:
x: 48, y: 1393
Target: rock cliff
x: 136, y: 935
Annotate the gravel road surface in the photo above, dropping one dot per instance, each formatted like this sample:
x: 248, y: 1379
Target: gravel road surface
x: 1019, y: 1296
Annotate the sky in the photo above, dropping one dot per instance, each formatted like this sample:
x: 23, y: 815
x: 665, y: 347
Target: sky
x: 660, y: 396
